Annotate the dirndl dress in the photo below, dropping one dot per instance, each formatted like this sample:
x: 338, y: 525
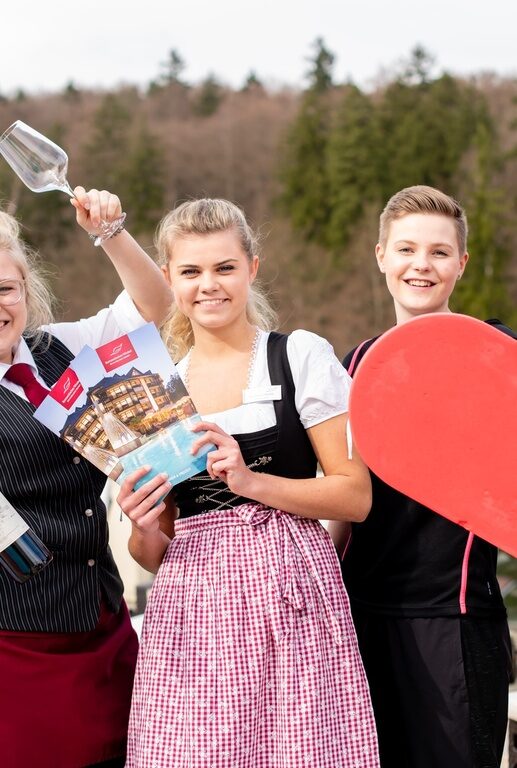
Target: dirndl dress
x: 248, y: 656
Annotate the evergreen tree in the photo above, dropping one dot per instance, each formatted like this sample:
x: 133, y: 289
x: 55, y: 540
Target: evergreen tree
x: 209, y: 97
x: 107, y: 150
x: 483, y: 290
x: 450, y: 110
x: 71, y: 93
x: 172, y: 69
x: 418, y: 69
x: 341, y: 159
x: 352, y: 165
x: 305, y: 193
x: 143, y: 182
x: 319, y: 74
x: 252, y: 84
x: 425, y: 129
x: 304, y: 169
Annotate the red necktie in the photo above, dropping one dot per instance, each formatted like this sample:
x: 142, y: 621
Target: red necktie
x: 21, y: 373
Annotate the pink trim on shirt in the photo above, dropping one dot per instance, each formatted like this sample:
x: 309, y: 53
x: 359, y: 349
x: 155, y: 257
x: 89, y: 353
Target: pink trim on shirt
x: 464, y: 573
x: 351, y: 367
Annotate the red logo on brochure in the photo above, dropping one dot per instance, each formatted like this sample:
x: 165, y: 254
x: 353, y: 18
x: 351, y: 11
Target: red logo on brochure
x: 116, y: 353
x: 67, y: 389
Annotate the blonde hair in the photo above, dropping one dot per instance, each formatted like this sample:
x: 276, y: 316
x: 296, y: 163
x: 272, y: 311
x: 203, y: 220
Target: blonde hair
x: 422, y: 199
x: 203, y: 217
x: 38, y: 297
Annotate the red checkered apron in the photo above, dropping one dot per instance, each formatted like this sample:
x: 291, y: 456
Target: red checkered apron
x: 248, y: 657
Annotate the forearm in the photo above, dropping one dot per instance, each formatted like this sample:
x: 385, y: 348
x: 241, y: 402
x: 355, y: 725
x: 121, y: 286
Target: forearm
x: 343, y: 493
x: 148, y: 549
x: 141, y: 277
x: 335, y: 497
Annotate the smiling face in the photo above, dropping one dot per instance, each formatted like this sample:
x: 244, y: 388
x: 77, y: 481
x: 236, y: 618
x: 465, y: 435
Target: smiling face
x: 13, y: 318
x: 422, y: 260
x: 210, y: 276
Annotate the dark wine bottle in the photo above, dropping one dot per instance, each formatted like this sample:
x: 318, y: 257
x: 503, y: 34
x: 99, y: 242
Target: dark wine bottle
x: 22, y: 553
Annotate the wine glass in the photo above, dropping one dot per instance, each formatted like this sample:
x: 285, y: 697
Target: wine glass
x: 42, y: 166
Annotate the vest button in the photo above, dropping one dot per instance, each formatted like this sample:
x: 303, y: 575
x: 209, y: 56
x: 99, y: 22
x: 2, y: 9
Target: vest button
x: 91, y: 562
x: 76, y: 459
x: 88, y: 512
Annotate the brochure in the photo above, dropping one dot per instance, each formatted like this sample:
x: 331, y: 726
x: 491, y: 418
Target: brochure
x: 124, y: 405
x: 70, y: 414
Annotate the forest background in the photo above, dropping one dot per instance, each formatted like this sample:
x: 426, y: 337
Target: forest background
x: 312, y: 168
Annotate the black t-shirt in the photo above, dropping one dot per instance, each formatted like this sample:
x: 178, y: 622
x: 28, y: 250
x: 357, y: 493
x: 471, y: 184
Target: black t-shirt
x: 406, y: 560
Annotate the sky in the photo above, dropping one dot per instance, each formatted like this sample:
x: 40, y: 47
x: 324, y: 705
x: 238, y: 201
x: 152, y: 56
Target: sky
x: 47, y: 44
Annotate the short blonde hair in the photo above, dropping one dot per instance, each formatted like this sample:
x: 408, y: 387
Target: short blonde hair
x: 422, y: 199
x: 37, y: 294
x: 205, y: 216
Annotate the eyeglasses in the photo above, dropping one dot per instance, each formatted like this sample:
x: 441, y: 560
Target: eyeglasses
x: 11, y: 292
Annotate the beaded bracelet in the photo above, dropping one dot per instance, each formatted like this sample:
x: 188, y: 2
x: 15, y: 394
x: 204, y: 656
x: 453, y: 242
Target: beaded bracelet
x: 118, y: 230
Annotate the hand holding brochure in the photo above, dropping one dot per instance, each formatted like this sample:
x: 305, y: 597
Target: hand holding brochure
x: 124, y: 405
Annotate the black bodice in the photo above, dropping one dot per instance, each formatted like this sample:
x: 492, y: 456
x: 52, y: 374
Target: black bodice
x: 284, y: 449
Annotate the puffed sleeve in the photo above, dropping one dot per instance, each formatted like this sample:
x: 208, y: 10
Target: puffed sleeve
x: 322, y: 384
x: 119, y: 318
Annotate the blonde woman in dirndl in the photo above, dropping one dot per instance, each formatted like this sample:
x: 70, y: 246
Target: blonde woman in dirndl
x: 248, y: 656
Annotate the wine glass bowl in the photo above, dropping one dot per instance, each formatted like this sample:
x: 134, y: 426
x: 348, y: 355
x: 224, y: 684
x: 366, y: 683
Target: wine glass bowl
x: 42, y: 166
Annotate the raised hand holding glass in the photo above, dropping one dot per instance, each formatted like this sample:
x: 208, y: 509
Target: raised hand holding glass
x: 42, y: 166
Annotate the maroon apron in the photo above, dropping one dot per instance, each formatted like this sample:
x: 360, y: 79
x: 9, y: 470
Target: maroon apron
x: 64, y: 697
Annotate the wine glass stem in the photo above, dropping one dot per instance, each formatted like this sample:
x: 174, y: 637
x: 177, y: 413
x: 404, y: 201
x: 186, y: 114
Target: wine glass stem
x: 68, y: 189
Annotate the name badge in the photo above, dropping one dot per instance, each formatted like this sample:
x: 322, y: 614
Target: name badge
x: 262, y: 394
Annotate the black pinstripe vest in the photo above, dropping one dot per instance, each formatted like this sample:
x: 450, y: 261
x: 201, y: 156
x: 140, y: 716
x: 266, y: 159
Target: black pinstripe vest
x: 59, y: 498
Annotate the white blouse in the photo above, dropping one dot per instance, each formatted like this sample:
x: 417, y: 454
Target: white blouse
x: 322, y: 386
